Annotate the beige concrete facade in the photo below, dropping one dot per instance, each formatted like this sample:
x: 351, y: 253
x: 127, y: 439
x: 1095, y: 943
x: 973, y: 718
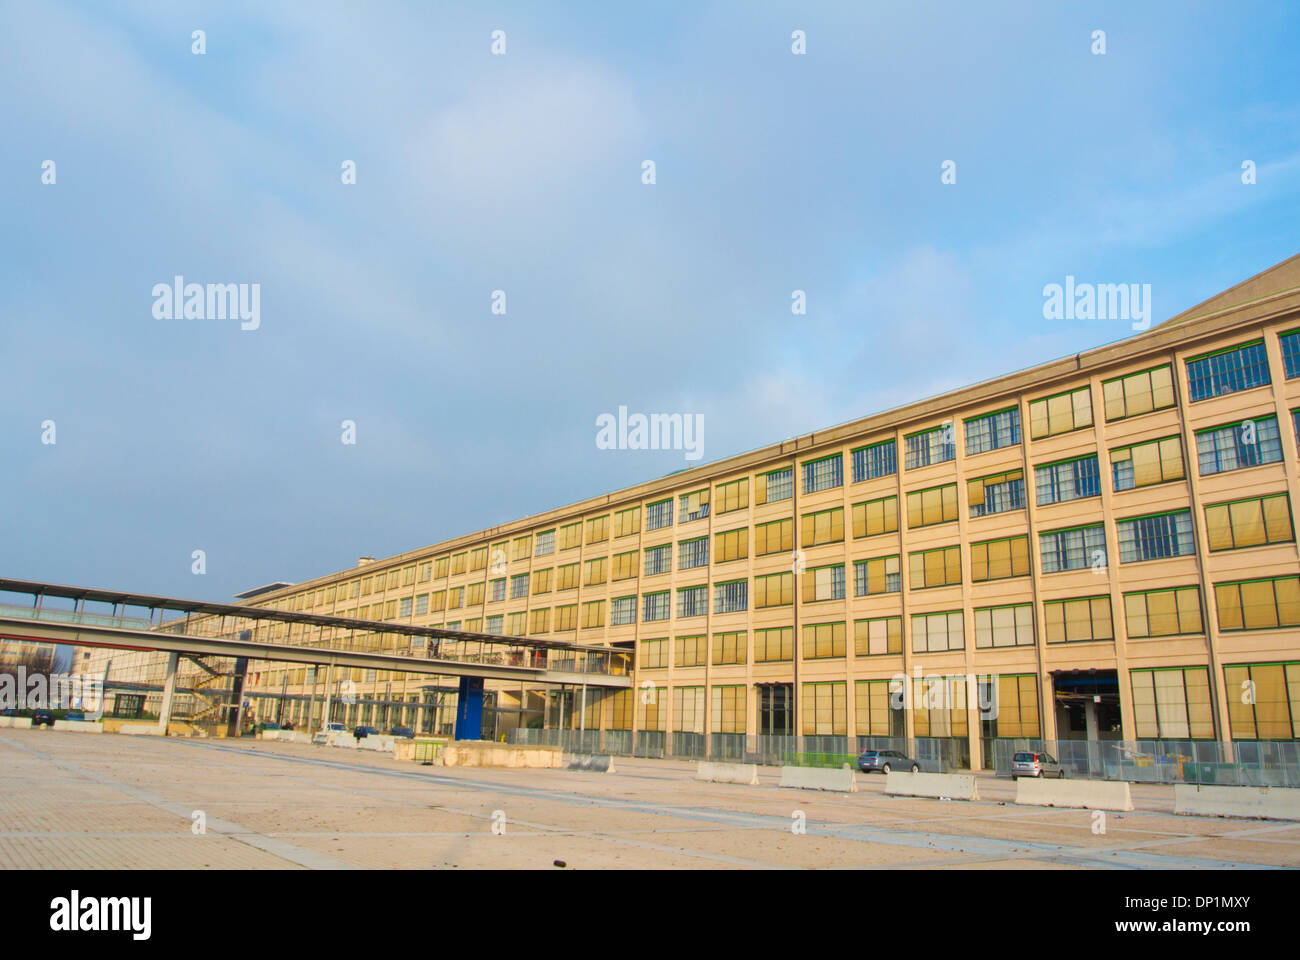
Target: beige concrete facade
x: 616, y: 525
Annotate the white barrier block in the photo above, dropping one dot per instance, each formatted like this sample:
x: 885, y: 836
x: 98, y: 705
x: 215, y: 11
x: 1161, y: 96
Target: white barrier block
x: 16, y: 723
x: 592, y: 763
x: 1265, y: 803
x: 742, y: 773
x: 140, y: 729
x: 341, y: 740
x: 1081, y: 794
x: 942, y: 786
x: 78, y: 726
x: 819, y: 778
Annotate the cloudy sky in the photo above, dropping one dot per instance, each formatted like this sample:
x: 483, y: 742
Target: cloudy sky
x: 523, y: 173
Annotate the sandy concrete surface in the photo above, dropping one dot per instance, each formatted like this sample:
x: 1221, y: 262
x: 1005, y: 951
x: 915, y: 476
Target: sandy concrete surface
x: 71, y: 801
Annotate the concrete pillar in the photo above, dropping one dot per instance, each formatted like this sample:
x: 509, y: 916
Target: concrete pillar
x: 169, y: 692
x: 469, y: 709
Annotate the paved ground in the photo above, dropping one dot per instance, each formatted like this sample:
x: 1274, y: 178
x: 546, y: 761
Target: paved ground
x: 84, y: 801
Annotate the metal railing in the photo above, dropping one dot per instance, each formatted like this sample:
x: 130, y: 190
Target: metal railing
x: 1261, y: 763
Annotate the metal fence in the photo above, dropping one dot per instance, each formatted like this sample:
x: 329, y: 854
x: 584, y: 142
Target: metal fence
x: 932, y: 754
x: 1244, y: 763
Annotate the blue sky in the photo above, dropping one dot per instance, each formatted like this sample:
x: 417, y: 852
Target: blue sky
x: 522, y: 173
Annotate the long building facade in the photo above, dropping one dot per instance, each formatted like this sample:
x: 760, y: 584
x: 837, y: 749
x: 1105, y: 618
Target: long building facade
x: 1100, y: 547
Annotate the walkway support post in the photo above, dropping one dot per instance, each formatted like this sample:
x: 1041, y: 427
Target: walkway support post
x: 169, y: 692
x: 469, y: 709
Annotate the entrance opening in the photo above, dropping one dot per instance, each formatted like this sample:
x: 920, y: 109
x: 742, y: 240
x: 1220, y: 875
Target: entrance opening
x: 1086, y: 704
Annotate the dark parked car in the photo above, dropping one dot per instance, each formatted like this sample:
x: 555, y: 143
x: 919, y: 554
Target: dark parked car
x: 885, y: 761
x: 42, y: 718
x: 1027, y: 764
x: 405, y: 732
x: 362, y: 732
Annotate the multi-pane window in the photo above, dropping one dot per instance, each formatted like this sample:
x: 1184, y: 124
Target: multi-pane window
x: 1156, y: 537
x: 1009, y: 626
x: 474, y: 594
x: 566, y: 577
x: 1144, y: 464
x: 656, y: 606
x: 407, y: 605
x: 593, y: 614
x: 928, y: 507
x: 773, y: 645
x: 422, y: 605
x: 571, y: 536
x: 539, y: 621
x: 999, y: 559
x: 654, y: 654
x: 773, y: 590
x: 877, y: 460
x: 934, y: 568
x: 455, y: 598
x: 439, y: 568
x: 731, y: 597
x: 1060, y: 414
x: 996, y: 494
x: 516, y: 624
x: 458, y: 563
x: 824, y: 526
x: 878, y: 636
x: 519, y: 586
x: 478, y: 558
x: 688, y: 709
x: 1068, y: 480
x: 1272, y: 712
x: 1015, y: 698
x: 545, y: 544
x: 693, y: 506
x: 823, y: 583
x: 993, y: 430
x: 522, y: 548
x: 1074, y: 549
x: 875, y: 714
x: 729, y: 647
x: 823, y: 640
x: 1138, y: 393
x: 622, y: 611
x: 624, y: 566
x: 1290, y: 344
x: 690, y: 651
x: 930, y: 447
x: 426, y: 572
x: 948, y: 716
x: 774, y: 486
x: 936, y: 632
x: 823, y: 474
x: 774, y: 537
x: 566, y: 618
x: 825, y: 709
x: 1258, y: 604
x: 658, y: 559
x: 495, y: 623
x: 731, y: 545
x: 693, y: 553
x: 1227, y: 371
x: 693, y: 601
x: 658, y: 515
x: 1249, y: 523
x: 1172, y: 704
x: 437, y: 600
x: 598, y: 529
x: 1078, y: 620
x: 733, y: 495
x: 728, y: 715
x: 875, y: 517
x: 627, y: 522
x: 1163, y: 613
x: 879, y: 575
x: 596, y: 572
x: 1238, y: 445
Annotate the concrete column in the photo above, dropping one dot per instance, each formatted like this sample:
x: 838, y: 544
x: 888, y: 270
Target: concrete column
x: 169, y: 692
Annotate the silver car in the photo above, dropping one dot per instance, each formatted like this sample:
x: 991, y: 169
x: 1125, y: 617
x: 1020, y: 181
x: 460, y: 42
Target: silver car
x: 885, y: 761
x: 1027, y: 764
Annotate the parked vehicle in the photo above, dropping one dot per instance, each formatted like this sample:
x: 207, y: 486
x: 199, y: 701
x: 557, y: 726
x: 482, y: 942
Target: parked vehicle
x: 1027, y: 764
x: 75, y: 716
x: 42, y: 718
x: 362, y: 732
x: 405, y: 733
x: 886, y: 760
x: 335, y: 728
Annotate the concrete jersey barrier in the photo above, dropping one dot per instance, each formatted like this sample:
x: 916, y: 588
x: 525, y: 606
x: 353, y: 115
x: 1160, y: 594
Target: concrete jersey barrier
x: 1082, y: 794
x: 742, y: 773
x: 1265, y: 803
x: 940, y: 786
x: 819, y: 778
x: 15, y: 723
